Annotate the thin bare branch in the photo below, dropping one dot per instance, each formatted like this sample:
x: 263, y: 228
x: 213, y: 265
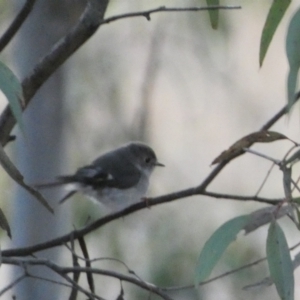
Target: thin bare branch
x: 16, y: 24
x: 68, y: 285
x: 62, y: 271
x: 265, y: 180
x: 142, y: 284
x: 85, y: 253
x: 75, y: 284
x: 242, y: 198
x: 129, y: 210
x: 130, y: 271
x: 146, y: 14
x: 57, y: 269
x: 280, y: 114
x: 74, y: 291
x: 275, y: 161
x: 12, y: 284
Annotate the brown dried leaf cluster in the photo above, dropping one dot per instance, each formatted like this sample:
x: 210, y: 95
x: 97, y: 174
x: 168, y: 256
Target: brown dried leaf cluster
x: 238, y: 147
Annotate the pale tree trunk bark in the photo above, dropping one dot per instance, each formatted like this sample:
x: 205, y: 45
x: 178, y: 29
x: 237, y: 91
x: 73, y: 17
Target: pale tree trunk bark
x: 40, y: 153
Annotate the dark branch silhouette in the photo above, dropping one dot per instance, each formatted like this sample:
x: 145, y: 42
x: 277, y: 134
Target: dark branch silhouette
x: 146, y: 14
x: 16, y: 24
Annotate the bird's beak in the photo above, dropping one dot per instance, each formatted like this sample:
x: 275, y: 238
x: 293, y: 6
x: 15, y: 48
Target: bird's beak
x: 158, y: 164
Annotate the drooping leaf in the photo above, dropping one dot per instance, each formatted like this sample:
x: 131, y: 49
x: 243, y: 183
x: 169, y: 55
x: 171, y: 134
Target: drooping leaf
x: 280, y: 262
x: 15, y: 174
x: 245, y: 142
x: 293, y: 55
x: 274, y: 17
x: 216, y: 245
x: 12, y: 89
x: 213, y: 14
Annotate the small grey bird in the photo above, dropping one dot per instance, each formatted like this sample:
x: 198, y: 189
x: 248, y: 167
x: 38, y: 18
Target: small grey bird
x: 116, y: 179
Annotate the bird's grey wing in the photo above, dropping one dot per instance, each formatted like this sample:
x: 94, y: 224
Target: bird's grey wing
x: 123, y: 173
x: 90, y: 175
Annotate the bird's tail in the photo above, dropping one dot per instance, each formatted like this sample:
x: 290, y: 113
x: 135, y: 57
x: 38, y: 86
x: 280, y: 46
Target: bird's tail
x: 61, y: 180
x: 48, y: 184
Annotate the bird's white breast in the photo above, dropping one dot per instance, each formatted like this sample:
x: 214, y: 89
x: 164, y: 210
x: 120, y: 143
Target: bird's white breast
x: 117, y: 199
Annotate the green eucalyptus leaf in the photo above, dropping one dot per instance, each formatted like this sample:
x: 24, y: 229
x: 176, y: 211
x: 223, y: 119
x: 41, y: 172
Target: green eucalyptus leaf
x: 216, y: 245
x: 12, y: 89
x: 293, y: 55
x: 280, y: 262
x: 213, y: 13
x: 274, y: 17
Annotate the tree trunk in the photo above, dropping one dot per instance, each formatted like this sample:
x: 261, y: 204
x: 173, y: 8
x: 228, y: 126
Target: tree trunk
x: 40, y: 153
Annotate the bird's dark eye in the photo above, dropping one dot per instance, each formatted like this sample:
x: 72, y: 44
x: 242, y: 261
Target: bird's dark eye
x: 147, y: 160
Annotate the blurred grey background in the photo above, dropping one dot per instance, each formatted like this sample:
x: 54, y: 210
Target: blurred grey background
x: 188, y: 91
